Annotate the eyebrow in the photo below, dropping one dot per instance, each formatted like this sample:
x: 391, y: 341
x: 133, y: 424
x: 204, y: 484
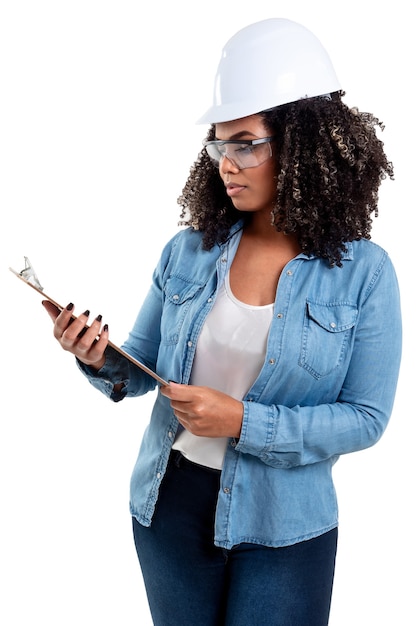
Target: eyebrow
x: 240, y: 135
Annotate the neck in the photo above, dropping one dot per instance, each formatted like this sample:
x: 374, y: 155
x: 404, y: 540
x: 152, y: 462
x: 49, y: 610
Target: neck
x: 260, y: 227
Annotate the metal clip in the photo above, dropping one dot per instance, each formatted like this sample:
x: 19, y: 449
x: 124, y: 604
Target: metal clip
x: 29, y: 274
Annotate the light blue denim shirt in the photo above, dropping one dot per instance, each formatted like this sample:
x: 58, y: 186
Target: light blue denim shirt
x: 326, y: 388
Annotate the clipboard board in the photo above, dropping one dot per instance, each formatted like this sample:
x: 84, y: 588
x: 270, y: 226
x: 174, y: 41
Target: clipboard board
x: 28, y: 276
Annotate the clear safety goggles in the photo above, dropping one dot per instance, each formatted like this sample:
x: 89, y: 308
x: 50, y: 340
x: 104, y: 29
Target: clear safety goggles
x: 242, y: 153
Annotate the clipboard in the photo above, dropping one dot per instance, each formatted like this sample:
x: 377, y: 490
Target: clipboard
x: 28, y: 276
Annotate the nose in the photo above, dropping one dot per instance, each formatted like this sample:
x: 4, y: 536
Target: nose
x: 226, y: 164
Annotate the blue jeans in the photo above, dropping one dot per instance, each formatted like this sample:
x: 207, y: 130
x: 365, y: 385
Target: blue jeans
x: 190, y: 581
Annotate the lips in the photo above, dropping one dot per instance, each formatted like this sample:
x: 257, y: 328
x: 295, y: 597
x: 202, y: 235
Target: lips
x: 233, y: 190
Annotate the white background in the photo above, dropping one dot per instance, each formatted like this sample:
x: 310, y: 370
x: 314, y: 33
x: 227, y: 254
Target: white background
x: 98, y: 106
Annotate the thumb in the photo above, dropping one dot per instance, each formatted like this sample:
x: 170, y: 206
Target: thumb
x: 53, y: 311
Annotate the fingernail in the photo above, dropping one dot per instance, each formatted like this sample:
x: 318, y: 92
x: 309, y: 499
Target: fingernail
x: 70, y: 306
x: 106, y: 328
x: 86, y: 313
x: 99, y: 318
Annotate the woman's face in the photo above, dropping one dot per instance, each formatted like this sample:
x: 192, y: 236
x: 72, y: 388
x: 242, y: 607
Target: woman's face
x: 252, y: 189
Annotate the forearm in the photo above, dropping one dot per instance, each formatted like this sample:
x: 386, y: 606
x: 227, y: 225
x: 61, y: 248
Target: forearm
x: 288, y: 437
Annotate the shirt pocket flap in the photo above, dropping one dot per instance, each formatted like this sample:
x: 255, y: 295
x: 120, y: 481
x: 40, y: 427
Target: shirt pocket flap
x: 332, y: 317
x: 178, y: 291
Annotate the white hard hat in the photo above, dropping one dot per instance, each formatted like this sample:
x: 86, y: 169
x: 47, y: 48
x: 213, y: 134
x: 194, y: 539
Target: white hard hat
x: 267, y: 64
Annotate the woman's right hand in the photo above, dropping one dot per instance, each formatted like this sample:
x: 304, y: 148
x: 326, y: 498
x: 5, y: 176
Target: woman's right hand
x: 87, y: 343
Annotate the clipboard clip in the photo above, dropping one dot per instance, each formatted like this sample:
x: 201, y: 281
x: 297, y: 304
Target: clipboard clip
x: 29, y: 274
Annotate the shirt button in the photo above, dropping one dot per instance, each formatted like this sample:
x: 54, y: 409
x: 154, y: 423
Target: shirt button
x: 209, y: 299
x: 170, y: 434
x: 333, y: 325
x: 158, y: 475
x: 176, y: 296
x: 223, y: 260
x: 227, y: 490
x: 279, y: 315
x: 190, y: 344
x: 272, y: 361
x: 289, y: 272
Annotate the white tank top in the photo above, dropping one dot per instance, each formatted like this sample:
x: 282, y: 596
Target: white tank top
x: 229, y: 355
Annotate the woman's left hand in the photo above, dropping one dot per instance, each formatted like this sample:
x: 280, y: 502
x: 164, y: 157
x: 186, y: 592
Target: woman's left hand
x: 205, y: 412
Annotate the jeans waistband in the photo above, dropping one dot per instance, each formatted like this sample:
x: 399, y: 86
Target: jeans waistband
x: 179, y: 460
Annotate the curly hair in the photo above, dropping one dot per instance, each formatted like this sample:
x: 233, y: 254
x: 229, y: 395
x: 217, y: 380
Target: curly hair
x: 329, y: 164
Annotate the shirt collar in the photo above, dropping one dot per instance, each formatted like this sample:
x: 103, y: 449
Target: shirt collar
x: 346, y: 255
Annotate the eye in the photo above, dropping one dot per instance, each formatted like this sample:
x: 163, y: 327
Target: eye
x: 245, y: 149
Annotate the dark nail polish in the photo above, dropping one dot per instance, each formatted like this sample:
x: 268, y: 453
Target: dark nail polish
x: 99, y: 318
x: 70, y: 306
x: 106, y: 328
x: 86, y: 313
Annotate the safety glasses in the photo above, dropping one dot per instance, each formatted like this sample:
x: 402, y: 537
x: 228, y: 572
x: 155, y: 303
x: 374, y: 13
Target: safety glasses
x: 243, y: 154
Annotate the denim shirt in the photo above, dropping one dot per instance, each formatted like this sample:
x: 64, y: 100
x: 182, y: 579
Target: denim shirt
x: 326, y: 387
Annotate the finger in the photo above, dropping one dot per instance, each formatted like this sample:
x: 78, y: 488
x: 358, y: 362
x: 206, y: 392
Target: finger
x: 103, y: 340
x: 68, y: 328
x: 52, y: 309
x: 63, y: 320
x: 89, y: 335
x: 177, y: 391
x: 166, y: 389
x: 94, y: 353
x: 183, y: 420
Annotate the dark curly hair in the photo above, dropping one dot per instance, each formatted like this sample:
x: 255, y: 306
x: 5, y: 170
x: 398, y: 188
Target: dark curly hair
x: 330, y: 164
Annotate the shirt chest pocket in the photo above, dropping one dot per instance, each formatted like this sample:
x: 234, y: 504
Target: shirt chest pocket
x: 326, y: 339
x: 178, y: 297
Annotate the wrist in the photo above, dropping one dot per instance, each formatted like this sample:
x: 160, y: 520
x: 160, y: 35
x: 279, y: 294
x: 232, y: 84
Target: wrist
x: 97, y: 365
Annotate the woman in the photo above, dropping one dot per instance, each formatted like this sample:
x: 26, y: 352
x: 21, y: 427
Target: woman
x: 280, y: 323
